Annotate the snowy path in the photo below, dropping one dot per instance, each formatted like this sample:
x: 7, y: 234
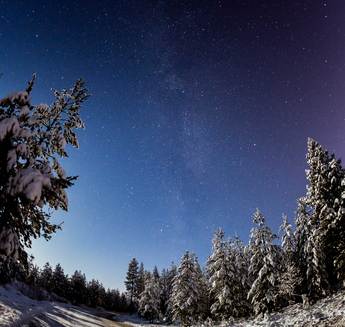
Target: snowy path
x: 60, y: 315
x: 18, y: 310
x: 66, y: 317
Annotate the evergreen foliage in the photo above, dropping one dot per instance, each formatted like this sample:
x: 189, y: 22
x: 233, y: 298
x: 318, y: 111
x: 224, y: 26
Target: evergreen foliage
x: 149, y: 303
x: 263, y: 266
x: 189, y: 291
x: 48, y: 283
x: 132, y: 282
x: 33, y: 138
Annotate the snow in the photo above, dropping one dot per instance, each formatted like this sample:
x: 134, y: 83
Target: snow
x: 31, y: 182
x: 327, y: 312
x: 8, y: 125
x: 8, y: 244
x: 19, y: 310
x: 135, y: 321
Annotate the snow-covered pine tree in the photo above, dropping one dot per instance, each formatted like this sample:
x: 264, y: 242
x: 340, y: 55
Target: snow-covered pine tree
x: 290, y: 277
x: 288, y: 239
x: 325, y: 211
x: 339, y: 226
x: 164, y: 295
x: 217, y: 273
x: 203, y: 291
x: 301, y: 235
x: 225, y: 285
x: 32, y: 140
x: 167, y: 280
x: 131, y: 282
x: 188, y: 291
x: 241, y: 262
x: 263, y: 266
x: 149, y: 303
x: 141, y: 279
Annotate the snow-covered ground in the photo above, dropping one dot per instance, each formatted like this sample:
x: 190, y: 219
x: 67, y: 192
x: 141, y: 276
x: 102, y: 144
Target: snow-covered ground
x: 19, y: 310
x: 325, y: 313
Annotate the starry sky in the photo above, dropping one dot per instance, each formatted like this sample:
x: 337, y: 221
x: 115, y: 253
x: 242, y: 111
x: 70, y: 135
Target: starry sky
x: 199, y: 113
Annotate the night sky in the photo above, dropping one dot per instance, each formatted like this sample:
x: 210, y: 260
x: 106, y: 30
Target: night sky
x: 199, y: 113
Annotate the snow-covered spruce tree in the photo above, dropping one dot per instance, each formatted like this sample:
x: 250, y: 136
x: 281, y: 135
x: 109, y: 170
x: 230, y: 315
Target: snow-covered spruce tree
x: 164, y: 295
x: 189, y: 291
x: 324, y: 208
x: 141, y: 279
x: 336, y: 246
x: 226, y: 287
x: 203, y: 291
x: 263, y: 267
x: 149, y: 303
x: 32, y: 139
x: 301, y: 235
x: 290, y: 277
x: 242, y: 260
x: 339, y: 227
x: 217, y: 270
x: 131, y: 282
x: 288, y: 239
x: 167, y: 280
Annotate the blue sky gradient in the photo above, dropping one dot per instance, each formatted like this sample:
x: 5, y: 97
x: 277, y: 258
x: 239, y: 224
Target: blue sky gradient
x: 199, y: 113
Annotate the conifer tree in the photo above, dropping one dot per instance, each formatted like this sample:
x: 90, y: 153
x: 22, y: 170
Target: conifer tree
x: 141, y: 279
x: 59, y: 281
x: 33, y: 276
x: 203, y: 308
x: 263, y: 266
x: 227, y: 270
x: 242, y: 306
x: 188, y: 295
x: 324, y: 211
x: 46, y: 277
x: 33, y: 138
x: 149, y: 303
x: 132, y: 282
x: 78, y: 291
x: 221, y: 277
x: 96, y: 293
x: 167, y: 280
x: 301, y: 235
x: 290, y: 277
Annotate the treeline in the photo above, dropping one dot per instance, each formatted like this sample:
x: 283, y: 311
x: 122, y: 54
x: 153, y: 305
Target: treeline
x: 76, y: 289
x: 242, y: 280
